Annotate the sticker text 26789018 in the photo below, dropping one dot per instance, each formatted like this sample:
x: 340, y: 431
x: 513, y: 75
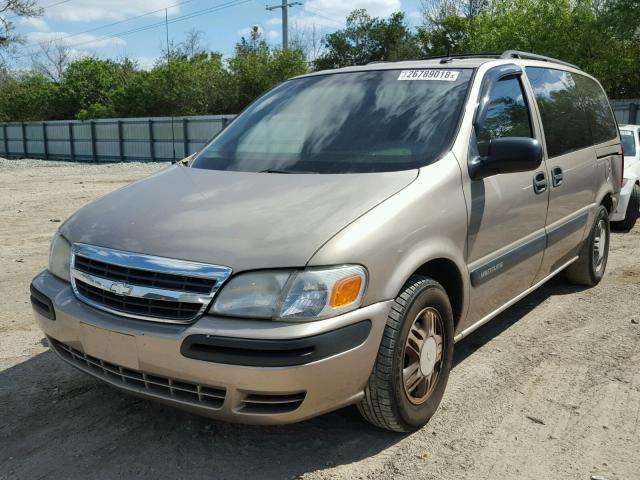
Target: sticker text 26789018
x: 446, y: 75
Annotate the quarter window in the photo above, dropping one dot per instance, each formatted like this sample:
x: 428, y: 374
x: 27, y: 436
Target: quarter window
x: 507, y: 115
x: 599, y: 114
x: 564, y: 121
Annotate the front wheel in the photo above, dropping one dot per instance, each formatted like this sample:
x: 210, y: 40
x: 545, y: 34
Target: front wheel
x: 592, y: 260
x: 412, y: 368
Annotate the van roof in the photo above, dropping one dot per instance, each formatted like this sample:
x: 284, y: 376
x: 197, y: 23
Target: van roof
x: 472, y: 60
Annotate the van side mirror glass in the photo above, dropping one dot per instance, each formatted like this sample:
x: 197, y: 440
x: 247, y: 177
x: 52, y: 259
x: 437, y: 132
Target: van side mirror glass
x: 507, y: 155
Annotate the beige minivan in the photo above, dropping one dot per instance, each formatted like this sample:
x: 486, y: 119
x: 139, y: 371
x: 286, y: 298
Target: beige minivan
x: 331, y: 245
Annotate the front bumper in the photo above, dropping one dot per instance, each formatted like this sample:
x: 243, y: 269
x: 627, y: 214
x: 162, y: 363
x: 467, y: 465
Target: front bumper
x: 145, y: 358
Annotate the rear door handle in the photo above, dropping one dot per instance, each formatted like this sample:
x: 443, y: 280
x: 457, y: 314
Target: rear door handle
x: 540, y: 182
x: 557, y: 177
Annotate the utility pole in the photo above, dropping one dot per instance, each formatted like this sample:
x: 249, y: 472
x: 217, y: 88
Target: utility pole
x: 285, y: 20
x: 171, y: 92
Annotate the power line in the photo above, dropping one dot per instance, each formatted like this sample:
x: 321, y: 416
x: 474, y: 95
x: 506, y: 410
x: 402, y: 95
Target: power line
x: 112, y: 24
x: 170, y: 82
x: 43, y: 8
x: 195, y: 14
x: 320, y: 13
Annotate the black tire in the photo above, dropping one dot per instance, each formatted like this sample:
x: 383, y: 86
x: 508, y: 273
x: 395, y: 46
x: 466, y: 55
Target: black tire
x: 386, y: 402
x: 590, y: 267
x: 632, y: 213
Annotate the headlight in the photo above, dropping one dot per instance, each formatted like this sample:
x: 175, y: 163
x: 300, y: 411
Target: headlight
x: 60, y: 257
x: 293, y: 295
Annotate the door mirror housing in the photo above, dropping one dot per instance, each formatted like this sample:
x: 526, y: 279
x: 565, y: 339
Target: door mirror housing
x: 507, y: 155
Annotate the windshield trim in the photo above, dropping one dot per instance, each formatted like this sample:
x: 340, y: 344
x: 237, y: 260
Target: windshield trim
x: 437, y: 157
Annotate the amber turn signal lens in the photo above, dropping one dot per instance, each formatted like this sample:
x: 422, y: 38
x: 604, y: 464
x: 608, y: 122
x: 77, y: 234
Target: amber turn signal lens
x: 345, y: 291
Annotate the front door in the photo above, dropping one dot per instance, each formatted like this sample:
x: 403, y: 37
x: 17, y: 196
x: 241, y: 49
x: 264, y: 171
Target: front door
x: 507, y: 212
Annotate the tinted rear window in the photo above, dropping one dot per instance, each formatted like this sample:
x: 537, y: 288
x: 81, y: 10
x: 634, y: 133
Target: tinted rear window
x: 564, y: 121
x: 370, y: 121
x: 628, y: 142
x: 601, y: 120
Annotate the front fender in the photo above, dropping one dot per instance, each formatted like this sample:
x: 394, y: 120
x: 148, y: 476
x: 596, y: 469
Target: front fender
x: 425, y: 221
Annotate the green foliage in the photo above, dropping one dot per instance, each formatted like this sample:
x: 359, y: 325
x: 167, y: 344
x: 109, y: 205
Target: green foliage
x: 194, y: 82
x: 367, y: 39
x: 27, y: 97
x: 255, y: 68
x: 600, y: 36
x: 587, y: 33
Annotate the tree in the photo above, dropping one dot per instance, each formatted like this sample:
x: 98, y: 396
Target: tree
x: 52, y: 60
x: 582, y: 32
x: 26, y: 97
x: 307, y: 39
x: 367, y: 39
x: 10, y: 9
x: 89, y: 84
x: 256, y: 67
x: 192, y: 44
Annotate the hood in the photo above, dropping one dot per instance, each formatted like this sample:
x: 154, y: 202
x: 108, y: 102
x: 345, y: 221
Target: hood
x: 238, y: 219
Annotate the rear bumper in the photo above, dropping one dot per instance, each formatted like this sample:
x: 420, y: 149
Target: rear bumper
x: 307, y: 368
x: 621, y: 210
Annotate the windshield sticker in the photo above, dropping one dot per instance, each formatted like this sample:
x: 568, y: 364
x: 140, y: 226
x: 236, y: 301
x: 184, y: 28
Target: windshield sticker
x: 446, y: 75
x: 626, y: 132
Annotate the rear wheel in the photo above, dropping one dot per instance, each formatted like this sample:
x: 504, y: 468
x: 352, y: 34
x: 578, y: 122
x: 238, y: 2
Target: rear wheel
x: 632, y: 213
x: 592, y: 260
x: 414, y: 360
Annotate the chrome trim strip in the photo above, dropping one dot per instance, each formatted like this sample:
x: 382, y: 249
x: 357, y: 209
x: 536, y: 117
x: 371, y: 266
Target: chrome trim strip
x: 493, y: 314
x: 141, y: 292
x: 148, y: 263
x: 153, y: 264
x: 120, y: 313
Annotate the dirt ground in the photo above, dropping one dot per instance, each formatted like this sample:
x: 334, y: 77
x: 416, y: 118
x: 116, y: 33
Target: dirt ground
x: 549, y: 390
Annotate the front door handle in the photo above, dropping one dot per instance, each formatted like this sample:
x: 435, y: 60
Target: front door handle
x: 556, y: 177
x: 540, y: 182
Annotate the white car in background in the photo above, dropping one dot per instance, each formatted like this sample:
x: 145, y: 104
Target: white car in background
x: 628, y: 211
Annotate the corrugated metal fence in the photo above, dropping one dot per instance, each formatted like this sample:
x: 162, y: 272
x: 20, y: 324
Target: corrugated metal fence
x: 626, y: 111
x: 110, y: 140
x: 146, y: 139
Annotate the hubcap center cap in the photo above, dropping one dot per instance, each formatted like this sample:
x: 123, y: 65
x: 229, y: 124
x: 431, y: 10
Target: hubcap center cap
x: 428, y: 354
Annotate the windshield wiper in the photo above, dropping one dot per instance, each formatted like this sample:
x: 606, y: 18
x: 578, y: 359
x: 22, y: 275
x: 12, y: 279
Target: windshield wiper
x: 286, y: 172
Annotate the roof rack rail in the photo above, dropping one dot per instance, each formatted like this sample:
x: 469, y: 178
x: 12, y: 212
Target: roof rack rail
x: 442, y: 58
x: 448, y: 58
x: 534, y: 56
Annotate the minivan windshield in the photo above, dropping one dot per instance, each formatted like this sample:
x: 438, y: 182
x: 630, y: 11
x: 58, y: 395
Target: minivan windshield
x: 628, y: 142
x: 372, y: 121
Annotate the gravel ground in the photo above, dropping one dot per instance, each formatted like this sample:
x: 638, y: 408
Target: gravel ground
x: 550, y: 389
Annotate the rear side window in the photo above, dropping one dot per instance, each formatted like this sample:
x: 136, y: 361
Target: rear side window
x: 601, y: 120
x: 628, y: 142
x: 564, y: 121
x: 507, y: 115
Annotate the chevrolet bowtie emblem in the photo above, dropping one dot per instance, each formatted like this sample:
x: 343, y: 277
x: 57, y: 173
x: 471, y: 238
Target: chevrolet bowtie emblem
x: 120, y: 289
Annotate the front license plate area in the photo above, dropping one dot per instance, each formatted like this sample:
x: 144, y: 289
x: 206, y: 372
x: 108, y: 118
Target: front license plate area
x: 113, y: 347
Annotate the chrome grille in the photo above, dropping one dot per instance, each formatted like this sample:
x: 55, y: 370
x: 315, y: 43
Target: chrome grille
x: 145, y: 278
x: 141, y: 306
x: 201, y: 395
x: 142, y: 286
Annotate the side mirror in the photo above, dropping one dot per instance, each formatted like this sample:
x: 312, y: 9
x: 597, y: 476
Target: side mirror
x: 507, y: 155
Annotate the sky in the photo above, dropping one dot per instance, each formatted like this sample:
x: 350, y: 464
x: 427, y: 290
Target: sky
x: 135, y: 28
